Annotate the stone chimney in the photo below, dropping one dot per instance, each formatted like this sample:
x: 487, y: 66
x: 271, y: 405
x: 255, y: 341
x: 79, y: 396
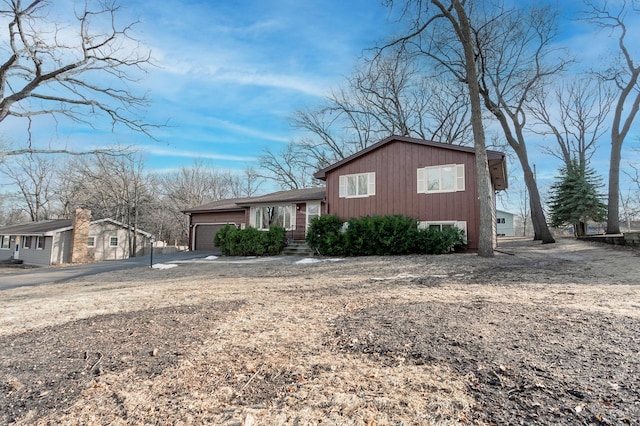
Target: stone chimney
x: 80, y: 236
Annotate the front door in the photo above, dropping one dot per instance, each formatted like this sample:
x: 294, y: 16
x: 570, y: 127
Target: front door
x: 16, y: 245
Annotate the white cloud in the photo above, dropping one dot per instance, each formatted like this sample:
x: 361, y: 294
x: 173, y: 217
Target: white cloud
x: 150, y: 149
x: 237, y: 128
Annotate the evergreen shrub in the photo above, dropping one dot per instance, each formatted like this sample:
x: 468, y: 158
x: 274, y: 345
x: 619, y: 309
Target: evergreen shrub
x: 379, y: 235
x: 325, y: 236
x: 250, y: 241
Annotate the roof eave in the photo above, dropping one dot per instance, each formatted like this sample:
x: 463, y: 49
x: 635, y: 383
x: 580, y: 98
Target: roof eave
x: 321, y: 174
x: 213, y: 209
x: 274, y: 202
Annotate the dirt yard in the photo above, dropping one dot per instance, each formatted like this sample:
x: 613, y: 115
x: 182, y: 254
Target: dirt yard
x: 547, y: 334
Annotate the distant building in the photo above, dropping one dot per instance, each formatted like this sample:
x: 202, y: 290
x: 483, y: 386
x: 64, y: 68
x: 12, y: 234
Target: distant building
x: 77, y: 240
x: 504, y: 224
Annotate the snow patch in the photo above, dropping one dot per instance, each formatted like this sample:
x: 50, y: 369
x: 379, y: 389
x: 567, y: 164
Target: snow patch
x: 397, y: 277
x: 211, y: 258
x: 309, y: 260
x: 164, y: 265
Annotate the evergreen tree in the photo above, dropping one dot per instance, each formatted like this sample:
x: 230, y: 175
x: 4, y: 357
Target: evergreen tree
x: 575, y: 198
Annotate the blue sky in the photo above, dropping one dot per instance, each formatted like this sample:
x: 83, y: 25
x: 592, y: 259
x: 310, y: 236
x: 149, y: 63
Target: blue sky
x: 230, y: 73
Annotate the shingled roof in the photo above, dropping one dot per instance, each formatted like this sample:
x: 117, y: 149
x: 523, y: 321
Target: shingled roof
x: 290, y: 196
x: 239, y: 204
x: 45, y: 227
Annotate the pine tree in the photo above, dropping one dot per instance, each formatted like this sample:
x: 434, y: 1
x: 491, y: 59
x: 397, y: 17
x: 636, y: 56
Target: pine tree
x: 575, y: 198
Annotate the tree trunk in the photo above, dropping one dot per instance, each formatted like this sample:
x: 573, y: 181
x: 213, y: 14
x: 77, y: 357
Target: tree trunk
x: 613, y: 209
x: 541, y: 230
x: 485, y: 192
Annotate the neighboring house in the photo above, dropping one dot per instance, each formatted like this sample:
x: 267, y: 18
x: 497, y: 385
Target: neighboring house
x: 430, y: 181
x: 504, y: 224
x: 292, y: 210
x: 77, y: 240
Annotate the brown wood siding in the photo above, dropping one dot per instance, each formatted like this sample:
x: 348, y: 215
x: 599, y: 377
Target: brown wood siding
x: 395, y: 165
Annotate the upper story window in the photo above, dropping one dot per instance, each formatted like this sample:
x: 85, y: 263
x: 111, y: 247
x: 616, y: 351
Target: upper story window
x: 445, y: 178
x: 357, y: 185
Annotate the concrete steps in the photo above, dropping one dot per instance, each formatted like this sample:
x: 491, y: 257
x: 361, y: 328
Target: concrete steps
x: 297, y: 248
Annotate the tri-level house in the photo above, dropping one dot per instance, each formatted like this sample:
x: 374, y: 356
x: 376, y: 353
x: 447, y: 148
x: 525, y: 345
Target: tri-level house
x: 433, y: 182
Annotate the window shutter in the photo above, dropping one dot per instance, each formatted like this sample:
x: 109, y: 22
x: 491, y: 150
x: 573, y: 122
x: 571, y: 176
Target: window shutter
x: 459, y: 177
x: 252, y: 217
x: 293, y: 211
x: 462, y: 225
x: 371, y: 178
x: 343, y: 187
x: 421, y: 181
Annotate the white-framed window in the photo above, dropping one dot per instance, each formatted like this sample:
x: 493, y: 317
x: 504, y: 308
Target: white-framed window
x: 5, y: 242
x: 501, y: 220
x: 445, y: 178
x: 263, y: 218
x: 443, y: 224
x: 357, y: 185
x: 113, y: 241
x: 26, y: 242
x: 39, y: 243
x: 91, y: 241
x: 313, y: 211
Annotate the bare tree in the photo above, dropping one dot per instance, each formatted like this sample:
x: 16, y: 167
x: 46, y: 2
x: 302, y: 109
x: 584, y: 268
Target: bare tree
x: 386, y: 95
x: 112, y: 187
x: 582, y: 107
x: 290, y: 168
x: 47, y: 72
x: 246, y: 185
x: 189, y: 187
x: 625, y: 75
x: 445, y: 32
x: 34, y: 177
x: 10, y: 213
x: 516, y: 60
x: 390, y: 95
x: 631, y: 200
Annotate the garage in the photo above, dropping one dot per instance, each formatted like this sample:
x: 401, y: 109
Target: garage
x: 204, y: 235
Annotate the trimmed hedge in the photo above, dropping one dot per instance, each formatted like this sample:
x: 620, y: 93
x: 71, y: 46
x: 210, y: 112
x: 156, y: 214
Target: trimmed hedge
x: 325, y: 236
x: 250, y: 242
x: 379, y: 235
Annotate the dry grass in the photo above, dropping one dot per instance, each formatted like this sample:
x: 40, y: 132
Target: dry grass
x: 277, y: 343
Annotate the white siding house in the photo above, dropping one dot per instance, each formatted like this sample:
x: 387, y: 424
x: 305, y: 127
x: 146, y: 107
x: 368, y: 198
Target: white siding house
x: 504, y: 224
x: 50, y: 242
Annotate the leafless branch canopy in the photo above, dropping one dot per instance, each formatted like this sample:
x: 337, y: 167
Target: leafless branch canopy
x: 80, y: 71
x: 580, y: 121
x: 625, y: 73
